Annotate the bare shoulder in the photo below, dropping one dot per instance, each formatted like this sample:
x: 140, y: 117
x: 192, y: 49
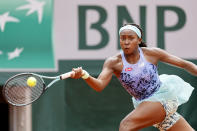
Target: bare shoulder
x: 114, y: 63
x: 153, y: 52
x: 113, y: 60
x: 162, y: 55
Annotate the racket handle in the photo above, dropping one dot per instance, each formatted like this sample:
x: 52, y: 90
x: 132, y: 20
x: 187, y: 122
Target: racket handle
x: 66, y: 75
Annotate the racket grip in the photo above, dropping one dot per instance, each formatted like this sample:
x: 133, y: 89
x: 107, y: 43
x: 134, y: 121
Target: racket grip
x: 66, y: 75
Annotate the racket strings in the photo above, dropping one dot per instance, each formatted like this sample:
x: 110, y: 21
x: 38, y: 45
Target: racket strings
x: 18, y: 92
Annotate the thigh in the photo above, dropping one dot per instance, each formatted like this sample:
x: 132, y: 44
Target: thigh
x: 181, y: 125
x: 147, y: 114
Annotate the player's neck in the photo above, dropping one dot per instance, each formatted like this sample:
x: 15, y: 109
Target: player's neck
x: 133, y: 57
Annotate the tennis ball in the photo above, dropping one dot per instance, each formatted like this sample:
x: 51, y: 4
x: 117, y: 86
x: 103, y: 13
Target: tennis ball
x: 31, y: 81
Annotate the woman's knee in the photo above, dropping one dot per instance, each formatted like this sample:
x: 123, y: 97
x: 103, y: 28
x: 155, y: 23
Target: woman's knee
x: 143, y: 116
x: 131, y: 123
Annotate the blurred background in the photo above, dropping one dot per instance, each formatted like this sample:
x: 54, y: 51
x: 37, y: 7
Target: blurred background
x: 51, y: 37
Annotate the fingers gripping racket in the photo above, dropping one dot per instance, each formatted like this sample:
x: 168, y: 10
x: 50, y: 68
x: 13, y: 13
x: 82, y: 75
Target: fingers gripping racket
x: 19, y: 91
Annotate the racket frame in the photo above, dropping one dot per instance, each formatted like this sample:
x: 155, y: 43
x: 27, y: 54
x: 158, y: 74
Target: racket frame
x: 45, y: 87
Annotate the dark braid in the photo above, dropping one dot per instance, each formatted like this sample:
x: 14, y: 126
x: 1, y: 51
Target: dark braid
x: 142, y: 44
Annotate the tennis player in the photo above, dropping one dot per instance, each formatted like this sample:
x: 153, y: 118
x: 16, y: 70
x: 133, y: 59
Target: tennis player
x: 155, y: 98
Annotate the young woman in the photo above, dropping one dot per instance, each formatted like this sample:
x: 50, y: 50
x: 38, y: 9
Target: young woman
x: 155, y: 98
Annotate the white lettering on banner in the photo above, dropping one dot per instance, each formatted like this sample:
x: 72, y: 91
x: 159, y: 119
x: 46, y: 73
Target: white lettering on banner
x: 178, y: 30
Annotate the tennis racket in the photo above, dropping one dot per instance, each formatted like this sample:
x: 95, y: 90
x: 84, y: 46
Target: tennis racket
x: 16, y: 90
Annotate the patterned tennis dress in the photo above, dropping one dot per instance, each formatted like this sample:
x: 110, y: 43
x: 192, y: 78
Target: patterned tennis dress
x: 141, y: 80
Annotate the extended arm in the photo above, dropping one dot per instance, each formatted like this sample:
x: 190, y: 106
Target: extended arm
x: 176, y: 61
x: 103, y: 79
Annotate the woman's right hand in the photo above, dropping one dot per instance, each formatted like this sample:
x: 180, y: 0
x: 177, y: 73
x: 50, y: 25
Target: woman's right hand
x: 77, y: 73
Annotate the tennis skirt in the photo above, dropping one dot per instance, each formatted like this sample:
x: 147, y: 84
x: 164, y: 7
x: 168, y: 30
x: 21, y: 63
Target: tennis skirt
x: 172, y: 88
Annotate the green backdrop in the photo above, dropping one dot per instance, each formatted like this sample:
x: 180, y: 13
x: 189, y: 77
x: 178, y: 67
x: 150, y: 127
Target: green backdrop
x: 34, y: 38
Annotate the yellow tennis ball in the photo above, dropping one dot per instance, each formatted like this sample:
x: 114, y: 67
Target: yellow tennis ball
x: 31, y: 81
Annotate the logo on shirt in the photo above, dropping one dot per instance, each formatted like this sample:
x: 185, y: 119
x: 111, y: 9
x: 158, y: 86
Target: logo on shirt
x: 128, y: 69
